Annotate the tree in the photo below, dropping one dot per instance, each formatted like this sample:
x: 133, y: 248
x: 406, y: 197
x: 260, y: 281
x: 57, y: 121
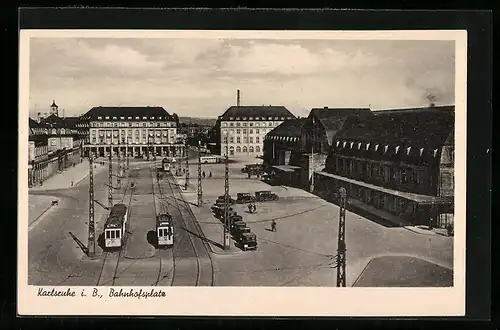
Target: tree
x: 176, y: 118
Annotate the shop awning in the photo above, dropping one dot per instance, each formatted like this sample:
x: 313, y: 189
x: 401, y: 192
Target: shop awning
x: 421, y: 199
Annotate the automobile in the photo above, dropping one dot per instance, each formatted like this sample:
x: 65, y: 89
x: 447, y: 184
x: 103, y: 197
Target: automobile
x: 247, y: 241
x: 238, y: 225
x: 242, y: 198
x: 238, y: 233
x: 262, y: 196
x: 220, y: 199
x: 236, y: 218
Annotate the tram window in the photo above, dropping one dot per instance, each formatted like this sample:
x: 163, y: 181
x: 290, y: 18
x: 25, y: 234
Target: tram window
x: 107, y: 234
x: 160, y: 232
x: 118, y: 234
x: 112, y: 234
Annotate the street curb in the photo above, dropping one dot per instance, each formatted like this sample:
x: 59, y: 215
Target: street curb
x: 31, y: 226
x: 431, y: 233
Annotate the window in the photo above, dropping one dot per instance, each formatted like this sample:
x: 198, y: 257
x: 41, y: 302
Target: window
x: 122, y: 118
x: 244, y: 131
x: 245, y: 149
x: 231, y: 139
x: 145, y: 118
x: 224, y: 124
x: 238, y: 148
x: 282, y: 118
x: 53, y: 143
x: 250, y: 149
x: 93, y: 132
x: 107, y: 117
x: 238, y: 131
x: 257, y: 149
x: 115, y: 125
x: 244, y: 124
x: 152, y: 118
x: 257, y: 139
x: 231, y: 124
x: 225, y: 139
x: 251, y: 131
x: 114, y: 118
x: 238, y: 118
x: 256, y: 131
x: 238, y: 139
x: 231, y: 131
x: 251, y: 139
x: 144, y: 124
x: 245, y: 140
x: 129, y: 117
x: 257, y: 125
x: 404, y: 176
x: 250, y: 118
x: 250, y: 124
x: 99, y: 118
x: 270, y: 124
x: 446, y: 181
x: 136, y: 117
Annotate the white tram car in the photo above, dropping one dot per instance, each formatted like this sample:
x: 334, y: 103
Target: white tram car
x: 165, y: 229
x: 116, y: 226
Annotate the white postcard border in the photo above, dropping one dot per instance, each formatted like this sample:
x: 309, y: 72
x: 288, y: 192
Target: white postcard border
x: 254, y: 301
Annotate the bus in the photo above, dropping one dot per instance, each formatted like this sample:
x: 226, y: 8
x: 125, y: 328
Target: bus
x: 214, y: 159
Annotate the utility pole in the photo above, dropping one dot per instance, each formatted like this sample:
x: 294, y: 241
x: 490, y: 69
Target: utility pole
x: 341, y: 249
x: 227, y: 225
x: 110, y: 179
x: 200, y: 188
x: 127, y: 151
x: 120, y: 168
x: 91, y: 242
x: 187, y: 166
x: 312, y: 154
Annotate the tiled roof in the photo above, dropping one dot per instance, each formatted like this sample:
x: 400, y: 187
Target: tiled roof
x: 333, y: 119
x: 418, y: 128
x: 256, y: 112
x: 289, y: 128
x: 133, y: 112
x: 52, y: 121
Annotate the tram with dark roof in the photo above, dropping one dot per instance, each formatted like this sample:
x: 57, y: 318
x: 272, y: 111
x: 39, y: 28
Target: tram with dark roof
x: 116, y: 226
x: 165, y: 229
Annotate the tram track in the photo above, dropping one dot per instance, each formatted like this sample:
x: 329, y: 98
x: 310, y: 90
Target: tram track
x: 121, y: 251
x: 159, y: 198
x: 177, y: 196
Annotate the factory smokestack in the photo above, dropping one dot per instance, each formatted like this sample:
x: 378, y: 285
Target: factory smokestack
x: 238, y: 98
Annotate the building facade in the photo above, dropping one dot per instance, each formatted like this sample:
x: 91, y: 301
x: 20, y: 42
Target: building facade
x: 394, y: 165
x: 133, y: 131
x: 243, y: 128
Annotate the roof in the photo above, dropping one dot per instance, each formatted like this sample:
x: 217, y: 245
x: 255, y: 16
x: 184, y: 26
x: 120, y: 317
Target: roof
x: 33, y: 123
x: 54, y: 103
x: 126, y: 112
x: 418, y: 128
x: 291, y: 128
x: 114, y: 222
x: 257, y: 112
x: 333, y: 119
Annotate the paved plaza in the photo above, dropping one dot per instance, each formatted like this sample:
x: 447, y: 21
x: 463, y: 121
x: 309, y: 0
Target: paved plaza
x: 300, y: 252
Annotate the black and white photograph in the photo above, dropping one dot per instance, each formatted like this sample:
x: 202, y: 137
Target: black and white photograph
x: 250, y: 161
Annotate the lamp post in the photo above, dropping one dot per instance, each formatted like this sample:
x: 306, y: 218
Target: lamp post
x: 341, y: 244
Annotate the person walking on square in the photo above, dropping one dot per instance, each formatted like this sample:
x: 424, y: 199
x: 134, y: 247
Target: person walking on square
x: 210, y: 174
x: 273, y: 226
x: 203, y: 175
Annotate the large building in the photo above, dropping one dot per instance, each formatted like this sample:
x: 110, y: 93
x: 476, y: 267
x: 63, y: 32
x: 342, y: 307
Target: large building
x: 54, y: 144
x: 134, y: 131
x: 396, y: 165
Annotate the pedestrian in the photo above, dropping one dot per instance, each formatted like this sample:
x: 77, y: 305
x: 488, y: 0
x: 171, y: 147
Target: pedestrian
x: 273, y: 226
x: 210, y: 174
x: 71, y: 183
x: 254, y: 207
x: 203, y: 174
x: 250, y: 208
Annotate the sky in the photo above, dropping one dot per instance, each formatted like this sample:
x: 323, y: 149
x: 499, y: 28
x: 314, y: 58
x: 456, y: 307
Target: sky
x: 199, y: 77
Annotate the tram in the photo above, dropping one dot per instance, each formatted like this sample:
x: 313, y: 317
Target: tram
x: 115, y: 226
x: 165, y: 229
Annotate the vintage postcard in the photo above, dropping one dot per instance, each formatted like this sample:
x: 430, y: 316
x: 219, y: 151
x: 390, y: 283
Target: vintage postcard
x: 231, y: 173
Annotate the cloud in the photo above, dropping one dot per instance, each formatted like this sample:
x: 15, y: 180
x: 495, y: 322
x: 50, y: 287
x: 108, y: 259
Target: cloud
x: 199, y: 77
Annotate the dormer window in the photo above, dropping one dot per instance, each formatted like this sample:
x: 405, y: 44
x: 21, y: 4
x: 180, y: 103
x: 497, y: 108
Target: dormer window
x: 250, y: 118
x: 137, y: 118
x: 275, y: 118
x: 122, y: 118
x: 282, y: 118
x: 270, y: 118
x: 231, y: 118
x: 129, y: 118
x: 107, y: 117
x: 152, y: 118
x: 238, y: 118
x: 99, y: 118
x: 114, y: 117
x: 144, y: 117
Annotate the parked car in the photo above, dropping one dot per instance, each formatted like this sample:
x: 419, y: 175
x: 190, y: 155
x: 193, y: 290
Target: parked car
x: 262, y: 196
x: 242, y: 198
x: 247, y: 241
x: 238, y: 233
x: 220, y: 199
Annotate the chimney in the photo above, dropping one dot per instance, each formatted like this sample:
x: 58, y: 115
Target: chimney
x: 238, y: 98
